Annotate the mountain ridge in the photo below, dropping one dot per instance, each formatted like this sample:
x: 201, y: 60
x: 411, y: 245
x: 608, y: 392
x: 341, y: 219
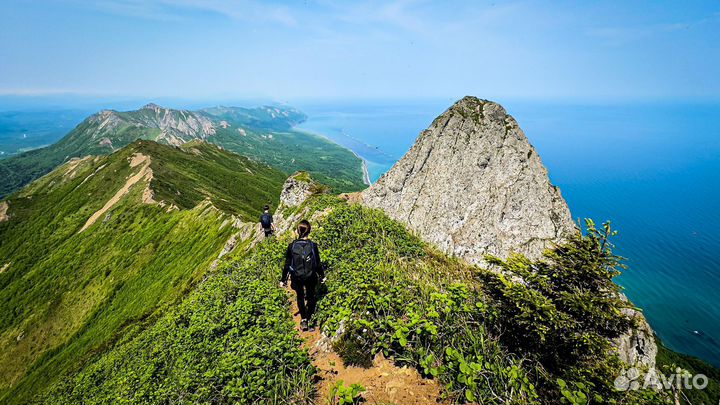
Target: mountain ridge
x: 263, y: 133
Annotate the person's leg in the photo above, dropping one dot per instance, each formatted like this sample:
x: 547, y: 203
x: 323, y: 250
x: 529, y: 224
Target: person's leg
x: 311, y: 295
x: 300, y: 292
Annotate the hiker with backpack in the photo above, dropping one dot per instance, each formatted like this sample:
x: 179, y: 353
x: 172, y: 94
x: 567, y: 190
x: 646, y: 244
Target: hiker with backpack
x: 302, y: 264
x: 266, y: 222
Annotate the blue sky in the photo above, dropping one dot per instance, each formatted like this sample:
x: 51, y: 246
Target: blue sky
x: 554, y: 50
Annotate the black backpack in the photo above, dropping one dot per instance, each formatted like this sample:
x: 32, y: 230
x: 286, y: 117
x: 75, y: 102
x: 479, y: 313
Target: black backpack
x: 266, y: 220
x: 303, y: 262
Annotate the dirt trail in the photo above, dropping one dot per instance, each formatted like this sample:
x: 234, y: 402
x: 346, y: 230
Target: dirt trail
x: 145, y: 172
x: 384, y: 382
x: 3, y: 211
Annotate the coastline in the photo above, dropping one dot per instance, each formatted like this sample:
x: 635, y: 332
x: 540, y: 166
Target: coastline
x: 363, y: 167
x: 366, y: 172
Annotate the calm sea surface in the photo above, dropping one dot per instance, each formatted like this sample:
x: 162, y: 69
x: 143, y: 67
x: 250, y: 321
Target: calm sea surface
x: 653, y: 170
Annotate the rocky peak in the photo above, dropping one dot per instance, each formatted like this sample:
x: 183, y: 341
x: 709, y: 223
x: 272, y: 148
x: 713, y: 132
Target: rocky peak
x: 152, y: 106
x: 473, y: 185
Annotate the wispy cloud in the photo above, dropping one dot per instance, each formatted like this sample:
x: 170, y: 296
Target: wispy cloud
x: 247, y: 10
x: 401, y: 14
x: 616, y: 36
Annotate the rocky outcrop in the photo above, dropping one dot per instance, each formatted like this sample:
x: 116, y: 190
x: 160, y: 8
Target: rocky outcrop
x: 637, y: 347
x: 297, y: 189
x: 473, y: 185
x: 246, y: 231
x: 176, y: 126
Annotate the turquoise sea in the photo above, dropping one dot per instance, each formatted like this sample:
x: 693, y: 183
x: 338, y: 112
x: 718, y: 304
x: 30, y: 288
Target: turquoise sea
x: 652, y: 169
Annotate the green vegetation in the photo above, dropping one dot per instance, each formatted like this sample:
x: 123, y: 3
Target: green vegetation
x: 669, y: 361
x: 291, y: 151
x: 197, y: 171
x: 564, y: 309
x: 390, y: 292
x: 67, y: 294
x: 231, y: 341
x: 346, y: 395
x: 386, y: 294
x: 264, y: 134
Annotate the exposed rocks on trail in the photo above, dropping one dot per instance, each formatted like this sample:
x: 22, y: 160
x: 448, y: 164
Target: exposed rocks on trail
x: 473, y: 185
x: 352, y: 198
x: 246, y: 231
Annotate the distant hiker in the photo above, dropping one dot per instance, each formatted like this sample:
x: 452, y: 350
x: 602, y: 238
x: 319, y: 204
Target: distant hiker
x: 302, y: 264
x: 266, y: 222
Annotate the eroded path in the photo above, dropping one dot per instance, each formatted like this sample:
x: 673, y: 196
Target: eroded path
x: 144, y: 173
x: 384, y: 382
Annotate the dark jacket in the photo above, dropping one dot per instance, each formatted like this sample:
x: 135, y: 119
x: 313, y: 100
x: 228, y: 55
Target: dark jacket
x: 319, y: 270
x: 271, y: 219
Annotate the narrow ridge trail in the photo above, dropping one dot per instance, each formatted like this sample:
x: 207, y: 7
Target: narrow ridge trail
x: 384, y: 382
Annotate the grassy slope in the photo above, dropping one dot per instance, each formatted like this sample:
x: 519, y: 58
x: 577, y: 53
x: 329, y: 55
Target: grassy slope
x: 231, y: 341
x: 391, y: 292
x: 67, y: 294
x: 287, y: 150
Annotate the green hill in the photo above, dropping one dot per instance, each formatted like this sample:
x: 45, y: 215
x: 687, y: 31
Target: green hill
x: 102, y: 245
x: 264, y: 134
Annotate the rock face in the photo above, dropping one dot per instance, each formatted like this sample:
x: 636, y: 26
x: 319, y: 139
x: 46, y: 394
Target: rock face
x: 473, y: 185
x: 175, y: 127
x: 296, y: 190
x: 637, y: 347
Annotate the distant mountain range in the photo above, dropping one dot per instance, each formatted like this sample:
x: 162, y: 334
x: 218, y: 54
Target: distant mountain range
x: 263, y: 133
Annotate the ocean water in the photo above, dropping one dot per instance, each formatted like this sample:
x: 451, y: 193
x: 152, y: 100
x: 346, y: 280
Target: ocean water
x: 652, y: 169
